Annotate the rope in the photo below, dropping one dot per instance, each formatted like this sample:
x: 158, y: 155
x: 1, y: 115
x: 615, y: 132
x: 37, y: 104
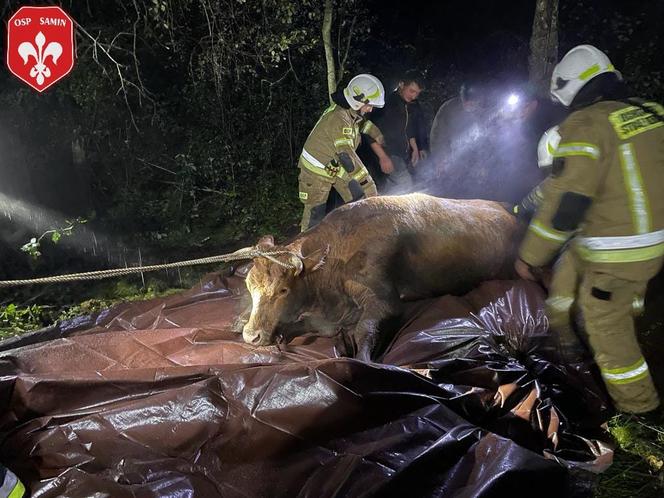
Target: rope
x: 245, y: 253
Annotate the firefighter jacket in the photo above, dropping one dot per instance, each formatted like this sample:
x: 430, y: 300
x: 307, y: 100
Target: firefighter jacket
x: 337, y: 134
x: 603, y: 194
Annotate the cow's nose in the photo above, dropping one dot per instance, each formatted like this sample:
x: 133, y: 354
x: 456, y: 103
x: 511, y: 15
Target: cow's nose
x: 252, y: 336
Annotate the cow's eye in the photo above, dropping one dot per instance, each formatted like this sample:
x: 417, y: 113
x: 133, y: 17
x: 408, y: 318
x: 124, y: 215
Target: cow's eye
x: 283, y: 291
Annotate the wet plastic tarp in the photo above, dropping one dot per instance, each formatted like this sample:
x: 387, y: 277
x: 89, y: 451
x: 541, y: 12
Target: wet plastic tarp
x: 162, y: 398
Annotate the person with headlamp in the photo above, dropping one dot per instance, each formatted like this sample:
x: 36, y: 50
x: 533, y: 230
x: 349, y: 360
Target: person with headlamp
x: 522, y: 118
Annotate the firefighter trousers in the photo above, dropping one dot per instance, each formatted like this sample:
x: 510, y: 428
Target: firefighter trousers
x: 561, y: 303
x: 607, y: 304
x: 314, y: 190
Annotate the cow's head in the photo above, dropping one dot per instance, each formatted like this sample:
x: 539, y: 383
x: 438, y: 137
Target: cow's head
x: 276, y: 291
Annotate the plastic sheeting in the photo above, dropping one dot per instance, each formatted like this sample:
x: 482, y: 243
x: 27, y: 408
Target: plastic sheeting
x: 162, y: 398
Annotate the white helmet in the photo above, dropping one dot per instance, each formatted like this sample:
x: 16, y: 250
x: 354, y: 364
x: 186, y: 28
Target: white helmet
x: 578, y: 67
x: 547, y: 147
x: 364, y: 89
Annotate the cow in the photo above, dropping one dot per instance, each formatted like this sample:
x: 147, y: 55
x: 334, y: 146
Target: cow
x: 357, y: 267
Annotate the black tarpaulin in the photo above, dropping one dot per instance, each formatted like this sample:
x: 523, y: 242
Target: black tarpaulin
x: 162, y: 398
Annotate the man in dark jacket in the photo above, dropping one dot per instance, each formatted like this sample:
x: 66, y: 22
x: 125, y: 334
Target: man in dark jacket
x: 401, y: 123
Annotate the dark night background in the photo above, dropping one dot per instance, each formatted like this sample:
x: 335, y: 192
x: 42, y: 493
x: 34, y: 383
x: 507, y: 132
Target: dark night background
x: 219, y: 99
x: 490, y: 39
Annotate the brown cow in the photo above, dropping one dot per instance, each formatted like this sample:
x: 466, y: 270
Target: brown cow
x: 356, y: 267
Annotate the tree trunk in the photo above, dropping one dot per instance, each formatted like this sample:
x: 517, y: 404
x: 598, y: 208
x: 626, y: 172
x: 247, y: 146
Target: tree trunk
x: 329, y: 53
x: 543, y: 44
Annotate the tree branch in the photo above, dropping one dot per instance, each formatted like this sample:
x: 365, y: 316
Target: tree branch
x: 342, y: 64
x: 123, y: 82
x: 329, y: 53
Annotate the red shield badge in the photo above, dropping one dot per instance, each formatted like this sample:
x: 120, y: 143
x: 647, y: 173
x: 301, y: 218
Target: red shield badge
x: 40, y: 45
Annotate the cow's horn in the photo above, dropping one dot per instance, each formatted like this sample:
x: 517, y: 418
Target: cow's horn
x: 296, y: 261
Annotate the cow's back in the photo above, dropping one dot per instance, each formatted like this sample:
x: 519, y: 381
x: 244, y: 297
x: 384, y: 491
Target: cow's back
x: 462, y: 243
x: 426, y: 245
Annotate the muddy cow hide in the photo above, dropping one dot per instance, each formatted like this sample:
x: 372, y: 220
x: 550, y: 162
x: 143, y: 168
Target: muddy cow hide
x: 354, y: 270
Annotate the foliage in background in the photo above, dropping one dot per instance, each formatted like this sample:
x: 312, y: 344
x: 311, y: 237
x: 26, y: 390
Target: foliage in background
x: 186, y: 117
x: 33, y: 246
x: 630, y: 33
x: 16, y: 319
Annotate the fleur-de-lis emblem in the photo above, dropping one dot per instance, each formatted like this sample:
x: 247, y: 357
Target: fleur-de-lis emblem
x: 40, y: 70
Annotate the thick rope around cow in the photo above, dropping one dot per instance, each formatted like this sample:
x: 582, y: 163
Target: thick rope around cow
x: 245, y: 253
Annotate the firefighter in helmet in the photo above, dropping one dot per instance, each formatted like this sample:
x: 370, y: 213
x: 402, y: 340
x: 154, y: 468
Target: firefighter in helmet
x: 601, y: 202
x: 329, y: 160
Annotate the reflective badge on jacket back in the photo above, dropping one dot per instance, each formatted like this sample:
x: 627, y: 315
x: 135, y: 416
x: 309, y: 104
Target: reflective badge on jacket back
x: 634, y: 120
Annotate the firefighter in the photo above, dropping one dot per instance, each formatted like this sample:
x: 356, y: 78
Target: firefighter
x: 329, y: 160
x: 601, y: 202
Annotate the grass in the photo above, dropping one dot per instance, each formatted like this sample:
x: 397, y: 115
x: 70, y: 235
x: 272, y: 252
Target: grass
x: 18, y: 316
x: 638, y: 465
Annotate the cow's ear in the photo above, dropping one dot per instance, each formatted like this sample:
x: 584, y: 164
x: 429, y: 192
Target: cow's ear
x: 316, y: 259
x: 266, y: 241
